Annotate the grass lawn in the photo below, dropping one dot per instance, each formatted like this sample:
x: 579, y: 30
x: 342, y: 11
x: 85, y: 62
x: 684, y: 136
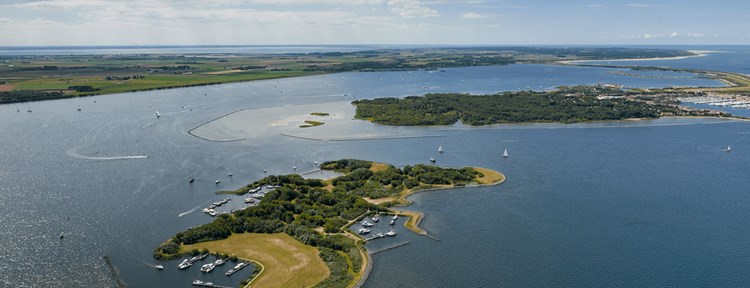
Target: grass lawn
x: 287, y: 262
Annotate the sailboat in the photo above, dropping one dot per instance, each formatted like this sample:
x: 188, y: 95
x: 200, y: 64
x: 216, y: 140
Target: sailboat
x: 18, y: 110
x: 440, y: 149
x: 729, y: 149
x: 505, y: 153
x: 157, y: 114
x: 79, y: 108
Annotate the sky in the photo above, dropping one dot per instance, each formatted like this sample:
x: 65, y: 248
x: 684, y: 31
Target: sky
x: 341, y: 22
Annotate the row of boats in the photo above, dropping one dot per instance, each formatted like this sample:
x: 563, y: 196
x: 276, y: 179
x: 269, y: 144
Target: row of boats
x: 366, y: 226
x: 186, y: 263
x: 741, y: 102
x: 210, y: 209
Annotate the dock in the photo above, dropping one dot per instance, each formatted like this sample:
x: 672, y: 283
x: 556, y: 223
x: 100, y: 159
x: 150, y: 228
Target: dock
x: 236, y: 268
x: 394, y: 246
x: 207, y: 284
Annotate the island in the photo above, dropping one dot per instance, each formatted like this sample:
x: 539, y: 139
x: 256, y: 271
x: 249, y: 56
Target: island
x: 41, y: 77
x: 298, y: 233
x: 563, y: 105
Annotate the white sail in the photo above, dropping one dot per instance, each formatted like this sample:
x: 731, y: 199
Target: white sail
x: 440, y: 149
x: 505, y: 153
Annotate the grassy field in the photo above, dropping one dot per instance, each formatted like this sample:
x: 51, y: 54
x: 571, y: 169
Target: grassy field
x: 287, y: 262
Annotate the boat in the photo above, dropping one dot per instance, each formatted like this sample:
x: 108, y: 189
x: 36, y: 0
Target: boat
x: 62, y: 235
x: 219, y: 262
x: 440, y: 149
x: 363, y: 231
x: 230, y: 174
x: 157, y: 114
x: 79, y: 108
x: 505, y: 153
x: 206, y: 210
x: 393, y: 222
x: 208, y: 267
x: 197, y: 282
x: 218, y: 181
x: 159, y: 267
x: 729, y: 149
x: 184, y: 264
x: 366, y: 224
x: 212, y: 213
x: 191, y: 180
x: 380, y: 235
x: 395, y: 217
x: 432, y: 160
x: 29, y: 110
x: 376, y: 218
x: 18, y: 110
x: 390, y: 233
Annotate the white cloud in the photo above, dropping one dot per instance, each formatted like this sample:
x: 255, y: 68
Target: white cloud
x: 695, y: 35
x: 411, y: 9
x: 595, y: 5
x: 674, y: 34
x: 644, y: 5
x: 473, y: 15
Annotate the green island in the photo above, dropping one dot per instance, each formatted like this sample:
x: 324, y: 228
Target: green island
x: 311, y: 123
x: 299, y: 232
x: 564, y: 105
x: 35, y: 77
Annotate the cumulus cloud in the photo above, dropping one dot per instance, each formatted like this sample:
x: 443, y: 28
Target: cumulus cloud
x: 411, y: 9
x: 473, y: 15
x: 674, y: 34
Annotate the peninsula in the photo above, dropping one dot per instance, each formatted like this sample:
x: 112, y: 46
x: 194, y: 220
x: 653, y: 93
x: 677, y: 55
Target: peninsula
x: 307, y: 221
x: 564, y: 105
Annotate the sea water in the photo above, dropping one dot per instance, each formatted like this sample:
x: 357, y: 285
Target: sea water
x: 648, y: 203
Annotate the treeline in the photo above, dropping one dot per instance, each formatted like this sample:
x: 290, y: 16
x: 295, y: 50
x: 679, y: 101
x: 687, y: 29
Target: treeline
x: 568, y: 105
x: 29, y: 95
x: 121, y: 78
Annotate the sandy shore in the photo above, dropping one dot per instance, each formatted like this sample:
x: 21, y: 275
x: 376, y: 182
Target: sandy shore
x: 698, y: 53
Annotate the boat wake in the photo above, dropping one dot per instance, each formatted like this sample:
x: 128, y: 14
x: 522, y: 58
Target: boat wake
x: 188, y: 212
x: 74, y: 153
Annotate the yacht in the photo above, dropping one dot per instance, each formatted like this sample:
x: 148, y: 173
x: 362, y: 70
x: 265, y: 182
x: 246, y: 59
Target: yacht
x: 363, y: 231
x: 390, y: 233
x: 366, y: 224
x: 219, y: 262
x: 207, y: 267
x: 184, y: 264
x: 159, y: 267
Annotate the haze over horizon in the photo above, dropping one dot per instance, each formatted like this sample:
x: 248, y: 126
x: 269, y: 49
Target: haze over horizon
x: 331, y: 22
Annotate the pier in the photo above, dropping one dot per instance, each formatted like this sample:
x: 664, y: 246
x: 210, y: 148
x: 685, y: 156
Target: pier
x: 394, y: 246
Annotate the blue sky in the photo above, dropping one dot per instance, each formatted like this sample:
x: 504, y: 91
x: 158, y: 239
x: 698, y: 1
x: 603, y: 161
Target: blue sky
x: 257, y: 22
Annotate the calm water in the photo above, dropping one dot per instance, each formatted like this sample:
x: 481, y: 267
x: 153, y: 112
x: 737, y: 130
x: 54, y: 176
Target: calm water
x: 719, y: 58
x: 651, y: 203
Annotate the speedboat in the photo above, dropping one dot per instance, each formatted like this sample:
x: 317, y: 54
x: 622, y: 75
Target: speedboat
x: 159, y: 267
x: 366, y: 224
x: 363, y: 231
x: 219, y: 262
x: 197, y: 282
x: 395, y: 217
x: 218, y: 181
x: 390, y: 233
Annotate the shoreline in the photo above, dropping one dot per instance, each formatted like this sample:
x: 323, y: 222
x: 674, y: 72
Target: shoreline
x: 696, y: 53
x: 415, y: 217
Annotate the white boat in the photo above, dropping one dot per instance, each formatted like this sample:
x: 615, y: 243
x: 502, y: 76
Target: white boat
x: 208, y: 267
x: 390, y: 233
x: 363, y: 231
x: 440, y: 149
x: 212, y: 212
x: 157, y: 114
x: 185, y: 264
x: 197, y: 282
x: 219, y: 262
x: 230, y: 174
x: 376, y: 218
x: 393, y: 222
x: 366, y: 224
x: 729, y: 149
x: 505, y: 153
x: 432, y: 160
x: 159, y: 267
x: 395, y: 217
